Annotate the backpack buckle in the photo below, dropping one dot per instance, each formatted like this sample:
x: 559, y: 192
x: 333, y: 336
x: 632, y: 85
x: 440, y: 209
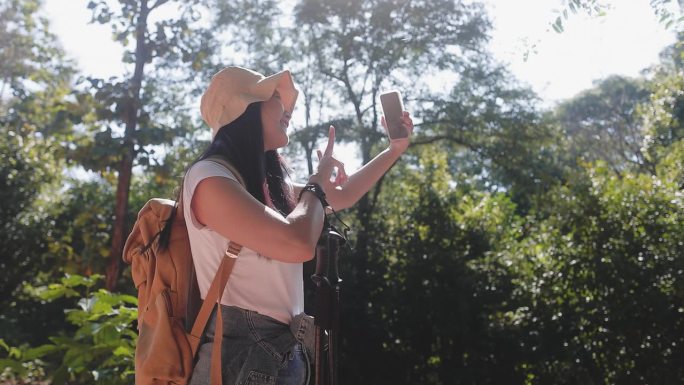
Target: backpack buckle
x: 233, y: 250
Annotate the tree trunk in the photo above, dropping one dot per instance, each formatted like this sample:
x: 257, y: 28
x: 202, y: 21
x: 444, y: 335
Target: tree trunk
x: 120, y: 211
x: 126, y: 165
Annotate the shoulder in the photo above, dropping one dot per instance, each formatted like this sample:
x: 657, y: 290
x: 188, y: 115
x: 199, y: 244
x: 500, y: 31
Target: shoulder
x: 204, y: 169
x: 207, y: 168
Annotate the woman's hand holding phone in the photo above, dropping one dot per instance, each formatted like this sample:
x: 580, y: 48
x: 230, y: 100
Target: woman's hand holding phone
x: 397, y: 122
x: 400, y: 144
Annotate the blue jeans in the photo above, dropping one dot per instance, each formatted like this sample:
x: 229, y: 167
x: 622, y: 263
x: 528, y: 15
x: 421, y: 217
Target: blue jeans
x: 256, y: 350
x: 295, y: 369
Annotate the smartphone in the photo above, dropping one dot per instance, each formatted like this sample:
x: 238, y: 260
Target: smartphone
x: 393, y: 109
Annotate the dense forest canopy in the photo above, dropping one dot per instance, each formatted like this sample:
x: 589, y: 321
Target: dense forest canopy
x: 511, y: 244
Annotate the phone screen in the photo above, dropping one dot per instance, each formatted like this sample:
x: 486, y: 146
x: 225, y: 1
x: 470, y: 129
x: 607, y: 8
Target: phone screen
x: 393, y: 109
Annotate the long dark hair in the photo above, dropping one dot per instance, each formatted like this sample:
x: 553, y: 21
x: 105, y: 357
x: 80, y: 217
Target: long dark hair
x: 241, y: 142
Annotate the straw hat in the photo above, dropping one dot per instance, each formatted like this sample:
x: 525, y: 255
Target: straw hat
x: 232, y: 89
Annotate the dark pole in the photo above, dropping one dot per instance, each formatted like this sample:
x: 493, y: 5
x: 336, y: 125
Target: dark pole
x: 327, y: 317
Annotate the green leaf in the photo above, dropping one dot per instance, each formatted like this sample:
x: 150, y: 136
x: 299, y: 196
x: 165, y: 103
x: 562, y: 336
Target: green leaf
x: 76, y: 357
x: 76, y: 317
x: 102, y: 306
x: 61, y: 375
x: 558, y: 25
x: 16, y: 366
x: 86, y: 304
x: 39, y: 352
x: 55, y: 291
x: 63, y: 341
x: 129, y: 299
x: 105, y: 335
x: 124, y: 351
x: 79, y: 280
x: 15, y: 353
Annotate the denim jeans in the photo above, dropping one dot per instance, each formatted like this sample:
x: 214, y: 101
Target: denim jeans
x: 256, y: 350
x: 295, y: 369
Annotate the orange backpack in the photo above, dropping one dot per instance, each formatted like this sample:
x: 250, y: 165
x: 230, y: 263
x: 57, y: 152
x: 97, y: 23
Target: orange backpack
x: 167, y: 292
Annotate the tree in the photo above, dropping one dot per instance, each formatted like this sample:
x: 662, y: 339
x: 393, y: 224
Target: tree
x: 604, y: 123
x: 362, y: 47
x: 603, y: 286
x: 141, y: 111
x: 663, y: 115
x: 440, y: 310
x: 37, y: 115
x: 260, y: 36
x: 662, y: 9
x: 496, y: 135
x: 28, y: 50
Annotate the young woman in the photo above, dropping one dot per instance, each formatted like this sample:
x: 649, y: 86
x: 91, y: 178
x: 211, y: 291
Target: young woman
x: 277, y: 223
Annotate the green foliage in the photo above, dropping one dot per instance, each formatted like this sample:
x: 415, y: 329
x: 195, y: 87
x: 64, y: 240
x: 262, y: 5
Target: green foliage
x: 663, y: 114
x: 28, y: 173
x: 587, y: 288
x: 495, y: 135
x: 83, y: 228
x: 488, y: 254
x: 37, y: 116
x: 362, y: 47
x: 100, y: 348
x: 21, y: 364
x: 28, y: 51
x: 604, y: 123
x: 663, y: 9
x: 446, y: 285
x: 671, y: 167
x: 666, y: 16
x: 165, y: 63
x: 604, y: 294
x: 591, y: 7
x: 144, y: 111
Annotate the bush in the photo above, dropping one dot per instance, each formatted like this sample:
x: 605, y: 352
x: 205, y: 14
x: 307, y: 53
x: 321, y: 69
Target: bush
x: 99, y: 350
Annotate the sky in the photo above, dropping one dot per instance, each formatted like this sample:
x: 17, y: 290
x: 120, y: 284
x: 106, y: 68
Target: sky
x: 556, y: 66
x: 625, y: 41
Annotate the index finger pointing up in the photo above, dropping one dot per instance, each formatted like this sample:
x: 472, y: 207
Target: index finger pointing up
x: 331, y: 142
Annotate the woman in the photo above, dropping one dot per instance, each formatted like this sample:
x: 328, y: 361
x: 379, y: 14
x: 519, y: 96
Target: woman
x: 278, y: 224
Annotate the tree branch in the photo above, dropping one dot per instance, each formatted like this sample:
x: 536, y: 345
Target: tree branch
x: 157, y: 4
x: 433, y: 139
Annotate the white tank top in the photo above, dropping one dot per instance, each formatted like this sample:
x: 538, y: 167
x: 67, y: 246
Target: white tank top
x: 258, y: 283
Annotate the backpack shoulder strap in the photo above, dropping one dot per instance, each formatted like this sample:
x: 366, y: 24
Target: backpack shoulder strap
x: 213, y: 297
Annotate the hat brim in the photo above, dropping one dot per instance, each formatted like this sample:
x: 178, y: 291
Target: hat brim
x: 233, y: 88
x: 281, y: 82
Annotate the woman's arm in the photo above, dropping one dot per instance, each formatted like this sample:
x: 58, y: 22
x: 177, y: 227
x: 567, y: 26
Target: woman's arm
x: 226, y: 207
x: 348, y: 190
x: 347, y: 194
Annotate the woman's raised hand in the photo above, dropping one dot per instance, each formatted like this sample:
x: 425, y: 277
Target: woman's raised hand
x: 401, y: 144
x: 327, y: 164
